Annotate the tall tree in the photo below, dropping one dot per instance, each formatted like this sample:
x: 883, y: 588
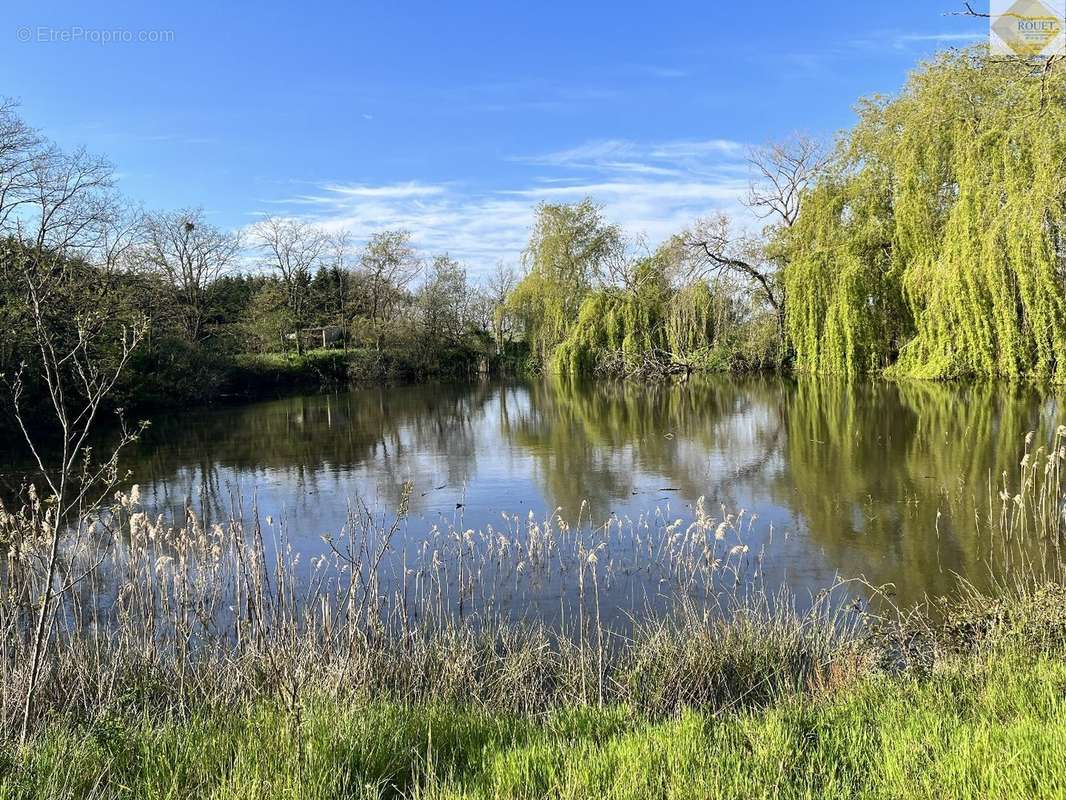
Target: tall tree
x: 935, y: 246
x: 782, y: 175
x: 333, y: 287
x: 190, y: 254
x: 567, y: 254
x: 389, y: 264
x: 443, y: 301
x: 292, y: 249
x: 498, y: 288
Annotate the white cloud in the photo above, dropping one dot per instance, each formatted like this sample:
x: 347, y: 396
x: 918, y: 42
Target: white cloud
x: 652, y: 190
x: 619, y: 155
x: 588, y: 153
x: 699, y: 149
x: 669, y: 73
x: 649, y: 189
x: 395, y: 190
x: 638, y: 168
x: 942, y: 37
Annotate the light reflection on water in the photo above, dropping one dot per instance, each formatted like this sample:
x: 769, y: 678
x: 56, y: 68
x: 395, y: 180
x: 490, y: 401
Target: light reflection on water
x: 846, y: 479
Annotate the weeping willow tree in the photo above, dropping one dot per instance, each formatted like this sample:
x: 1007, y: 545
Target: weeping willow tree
x: 647, y: 326
x: 845, y: 312
x: 614, y: 328
x: 589, y: 305
x: 568, y: 251
x: 618, y: 326
x: 694, y: 316
x: 935, y: 247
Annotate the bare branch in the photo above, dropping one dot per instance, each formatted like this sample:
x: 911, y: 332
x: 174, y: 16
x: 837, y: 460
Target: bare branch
x: 783, y: 172
x: 293, y: 249
x: 969, y: 12
x: 190, y: 254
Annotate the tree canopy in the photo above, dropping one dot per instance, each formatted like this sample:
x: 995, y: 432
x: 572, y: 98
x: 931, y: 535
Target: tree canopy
x: 934, y: 246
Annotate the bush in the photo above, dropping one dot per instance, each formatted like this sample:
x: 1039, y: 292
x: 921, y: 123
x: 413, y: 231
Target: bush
x: 172, y: 371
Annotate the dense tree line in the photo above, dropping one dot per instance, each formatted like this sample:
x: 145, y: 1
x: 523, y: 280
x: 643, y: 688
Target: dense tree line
x: 593, y: 300
x: 78, y: 261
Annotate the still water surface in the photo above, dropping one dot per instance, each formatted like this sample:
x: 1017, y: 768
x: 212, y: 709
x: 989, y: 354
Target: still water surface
x: 846, y: 479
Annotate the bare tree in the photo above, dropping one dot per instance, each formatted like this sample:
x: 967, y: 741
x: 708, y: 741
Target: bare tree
x: 338, y: 267
x: 20, y: 146
x: 444, y: 301
x: 498, y: 287
x: 624, y: 265
x: 782, y: 174
x: 293, y: 249
x: 784, y: 171
x: 64, y: 239
x: 190, y: 254
x: 720, y: 250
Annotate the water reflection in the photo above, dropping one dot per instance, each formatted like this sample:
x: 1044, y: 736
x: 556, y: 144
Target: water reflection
x: 846, y: 478
x: 872, y: 465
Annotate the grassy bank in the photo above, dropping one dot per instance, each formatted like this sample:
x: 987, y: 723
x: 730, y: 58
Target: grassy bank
x: 258, y: 374
x: 331, y: 368
x: 185, y: 376
x: 993, y: 726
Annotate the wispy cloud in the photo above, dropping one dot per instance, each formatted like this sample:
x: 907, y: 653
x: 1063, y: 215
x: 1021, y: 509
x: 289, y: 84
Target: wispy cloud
x: 827, y: 62
x: 652, y: 189
x: 666, y: 73
x: 941, y: 37
x: 672, y: 158
x: 339, y: 194
x: 532, y: 96
x: 887, y: 41
x: 395, y: 190
x: 659, y: 190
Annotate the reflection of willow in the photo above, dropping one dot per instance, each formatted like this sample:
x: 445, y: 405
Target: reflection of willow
x: 592, y: 441
x: 314, y: 441
x: 871, y: 464
x: 967, y: 434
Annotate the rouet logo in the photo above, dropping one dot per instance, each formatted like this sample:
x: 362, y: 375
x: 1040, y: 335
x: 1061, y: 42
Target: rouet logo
x: 1027, y: 28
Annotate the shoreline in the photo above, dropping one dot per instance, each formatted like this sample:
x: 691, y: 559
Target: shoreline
x: 976, y: 711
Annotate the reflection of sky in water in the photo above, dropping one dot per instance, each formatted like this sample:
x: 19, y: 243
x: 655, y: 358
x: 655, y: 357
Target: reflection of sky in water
x: 845, y: 479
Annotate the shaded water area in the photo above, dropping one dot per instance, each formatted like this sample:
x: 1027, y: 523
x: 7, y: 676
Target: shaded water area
x: 880, y: 480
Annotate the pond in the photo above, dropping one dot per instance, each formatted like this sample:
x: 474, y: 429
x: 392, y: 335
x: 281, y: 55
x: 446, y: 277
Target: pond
x: 880, y: 480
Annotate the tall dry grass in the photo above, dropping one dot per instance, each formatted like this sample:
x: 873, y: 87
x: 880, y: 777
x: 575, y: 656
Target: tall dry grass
x: 182, y: 616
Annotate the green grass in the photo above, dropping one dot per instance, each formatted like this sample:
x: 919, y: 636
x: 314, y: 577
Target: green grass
x: 338, y: 367
x: 980, y: 727
x: 313, y: 366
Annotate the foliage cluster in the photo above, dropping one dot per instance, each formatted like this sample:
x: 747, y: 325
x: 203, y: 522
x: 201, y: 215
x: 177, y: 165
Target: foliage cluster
x: 933, y: 247
x: 591, y: 302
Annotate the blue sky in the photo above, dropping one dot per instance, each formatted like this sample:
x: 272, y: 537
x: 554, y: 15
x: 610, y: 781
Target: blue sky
x: 453, y: 119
